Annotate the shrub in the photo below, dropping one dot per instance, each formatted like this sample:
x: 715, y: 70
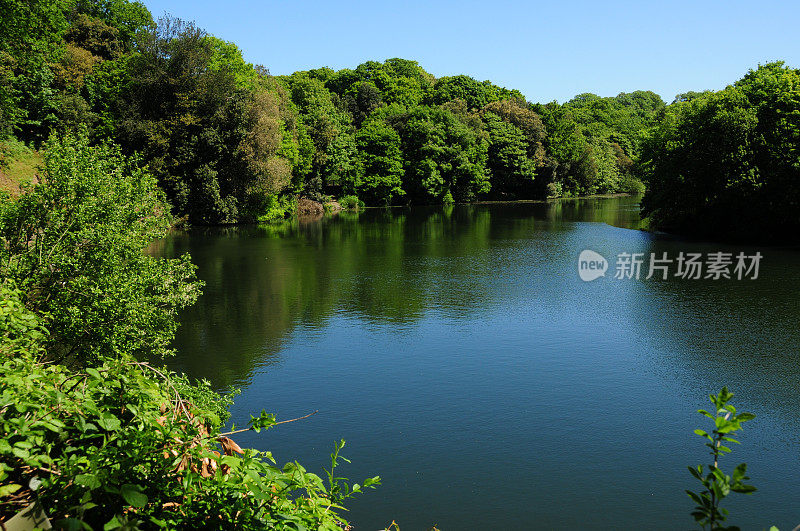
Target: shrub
x: 351, y: 202
x: 125, y: 444
x: 716, y: 484
x: 554, y: 189
x: 631, y: 185
x: 73, y: 245
x: 277, y: 208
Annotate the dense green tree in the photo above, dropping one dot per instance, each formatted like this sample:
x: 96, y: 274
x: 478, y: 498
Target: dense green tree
x: 381, y: 161
x: 477, y: 94
x: 227, y: 57
x: 564, y: 141
x: 30, y: 42
x: 46, y: 51
x: 361, y: 99
x: 396, y: 81
x: 445, y: 160
x: 688, y: 96
x: 213, y: 134
x: 524, y: 118
x: 339, y: 81
x: 329, y: 128
x: 727, y: 163
x: 408, y: 83
x: 621, y: 119
x: 512, y: 170
x: 591, y: 142
x: 90, y: 42
x: 342, y: 169
x: 95, y: 36
x: 103, y: 90
x: 74, y: 245
x: 10, y: 113
x: 129, y: 18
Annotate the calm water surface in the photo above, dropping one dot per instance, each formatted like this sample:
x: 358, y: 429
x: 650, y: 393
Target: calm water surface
x: 465, y: 362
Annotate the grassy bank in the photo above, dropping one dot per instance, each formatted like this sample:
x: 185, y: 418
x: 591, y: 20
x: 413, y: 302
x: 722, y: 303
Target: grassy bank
x: 18, y: 165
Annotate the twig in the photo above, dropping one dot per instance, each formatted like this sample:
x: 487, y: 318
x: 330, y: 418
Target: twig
x: 281, y: 422
x: 200, y: 440
x: 177, y: 395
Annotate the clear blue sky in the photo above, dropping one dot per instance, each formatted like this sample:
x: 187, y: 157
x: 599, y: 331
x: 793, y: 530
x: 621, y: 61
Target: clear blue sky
x: 548, y: 50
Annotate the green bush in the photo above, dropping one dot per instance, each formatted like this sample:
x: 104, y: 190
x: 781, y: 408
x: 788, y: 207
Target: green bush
x: 277, y: 208
x: 716, y: 484
x: 73, y: 244
x: 631, y: 185
x: 555, y: 189
x: 351, y: 202
x: 124, y: 443
x: 21, y: 331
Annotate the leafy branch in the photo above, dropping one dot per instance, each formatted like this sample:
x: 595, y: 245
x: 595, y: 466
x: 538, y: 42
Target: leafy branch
x: 338, y: 488
x: 265, y: 421
x: 718, y: 485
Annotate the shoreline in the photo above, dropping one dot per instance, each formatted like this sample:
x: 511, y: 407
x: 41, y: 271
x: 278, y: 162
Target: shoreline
x: 324, y: 213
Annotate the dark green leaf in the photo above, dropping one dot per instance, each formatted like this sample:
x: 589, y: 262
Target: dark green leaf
x: 133, y: 495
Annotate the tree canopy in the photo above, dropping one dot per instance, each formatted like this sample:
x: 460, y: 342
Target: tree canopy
x: 727, y: 163
x: 226, y: 140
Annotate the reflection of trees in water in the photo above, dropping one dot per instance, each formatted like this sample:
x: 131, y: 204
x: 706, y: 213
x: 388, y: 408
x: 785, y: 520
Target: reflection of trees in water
x: 617, y: 211
x: 241, y: 317
x: 382, y: 266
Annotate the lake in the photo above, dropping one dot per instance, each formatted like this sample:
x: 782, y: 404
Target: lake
x: 464, y: 360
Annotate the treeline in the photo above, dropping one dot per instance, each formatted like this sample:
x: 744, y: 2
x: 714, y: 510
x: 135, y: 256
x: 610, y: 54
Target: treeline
x: 228, y: 142
x: 727, y: 163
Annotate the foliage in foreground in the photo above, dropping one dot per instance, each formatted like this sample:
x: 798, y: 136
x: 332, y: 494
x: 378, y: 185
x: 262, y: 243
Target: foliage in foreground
x: 100, y: 439
x: 116, y: 445
x: 716, y: 484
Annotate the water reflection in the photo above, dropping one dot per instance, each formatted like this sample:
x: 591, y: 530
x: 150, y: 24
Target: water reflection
x: 379, y: 265
x: 456, y: 339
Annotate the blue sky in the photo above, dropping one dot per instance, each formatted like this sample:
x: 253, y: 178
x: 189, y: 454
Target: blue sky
x: 547, y: 50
